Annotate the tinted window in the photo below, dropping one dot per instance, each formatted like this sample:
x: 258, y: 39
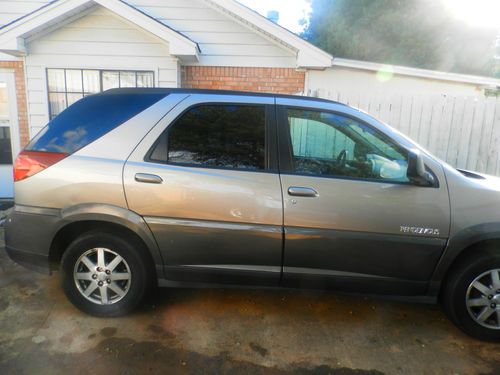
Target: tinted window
x: 329, y: 144
x: 5, y: 146
x: 224, y: 136
x: 89, y: 119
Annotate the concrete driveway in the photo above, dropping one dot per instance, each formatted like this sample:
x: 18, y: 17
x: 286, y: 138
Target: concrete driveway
x: 228, y: 332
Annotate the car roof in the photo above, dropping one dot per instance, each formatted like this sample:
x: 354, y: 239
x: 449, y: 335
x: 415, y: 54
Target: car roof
x: 166, y: 91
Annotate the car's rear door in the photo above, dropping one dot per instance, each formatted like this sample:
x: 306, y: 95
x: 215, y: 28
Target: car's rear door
x: 352, y: 219
x: 205, y: 179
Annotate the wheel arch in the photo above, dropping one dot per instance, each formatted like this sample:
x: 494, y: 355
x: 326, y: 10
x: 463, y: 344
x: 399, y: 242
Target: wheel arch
x: 464, y: 244
x: 89, y: 217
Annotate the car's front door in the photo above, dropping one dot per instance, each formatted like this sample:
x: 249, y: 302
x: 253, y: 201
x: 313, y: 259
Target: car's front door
x: 206, y: 182
x: 352, y: 218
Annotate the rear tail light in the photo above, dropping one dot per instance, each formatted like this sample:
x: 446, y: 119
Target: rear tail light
x: 29, y: 163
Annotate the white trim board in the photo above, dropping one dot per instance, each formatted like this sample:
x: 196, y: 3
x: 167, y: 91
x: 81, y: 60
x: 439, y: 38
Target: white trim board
x: 13, y: 35
x: 8, y: 76
x: 52, y: 15
x: 415, y: 72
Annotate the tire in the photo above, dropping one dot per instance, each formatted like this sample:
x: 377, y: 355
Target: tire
x: 113, y: 293
x: 461, y: 289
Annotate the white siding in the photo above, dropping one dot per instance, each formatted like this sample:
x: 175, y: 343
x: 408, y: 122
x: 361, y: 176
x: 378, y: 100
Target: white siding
x: 99, y: 40
x: 102, y: 40
x: 222, y: 40
x: 348, y: 80
x: 11, y: 10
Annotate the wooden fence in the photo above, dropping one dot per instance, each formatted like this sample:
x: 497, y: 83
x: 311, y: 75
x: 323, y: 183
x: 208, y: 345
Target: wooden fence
x: 463, y: 131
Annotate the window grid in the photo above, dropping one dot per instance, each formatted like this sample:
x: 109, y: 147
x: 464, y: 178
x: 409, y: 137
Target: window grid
x: 83, y: 92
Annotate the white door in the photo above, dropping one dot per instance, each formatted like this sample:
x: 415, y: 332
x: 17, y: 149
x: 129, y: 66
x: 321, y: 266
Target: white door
x: 9, y: 132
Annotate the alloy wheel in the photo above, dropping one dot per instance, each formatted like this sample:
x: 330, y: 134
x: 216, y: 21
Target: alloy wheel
x: 102, y: 276
x: 483, y: 299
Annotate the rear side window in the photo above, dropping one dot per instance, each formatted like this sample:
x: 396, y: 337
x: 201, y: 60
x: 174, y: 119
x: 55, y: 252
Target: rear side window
x: 217, y: 136
x: 89, y: 119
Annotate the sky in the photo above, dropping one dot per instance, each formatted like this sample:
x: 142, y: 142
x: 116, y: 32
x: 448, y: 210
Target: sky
x: 478, y: 13
x: 474, y: 12
x: 291, y: 11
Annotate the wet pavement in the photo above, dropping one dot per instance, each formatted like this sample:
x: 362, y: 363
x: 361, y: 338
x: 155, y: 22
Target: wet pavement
x: 210, y: 331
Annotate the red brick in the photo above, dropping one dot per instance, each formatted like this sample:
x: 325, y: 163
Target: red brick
x: 279, y: 80
x: 18, y: 67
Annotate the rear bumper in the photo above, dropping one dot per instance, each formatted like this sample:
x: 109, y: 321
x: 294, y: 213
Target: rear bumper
x: 28, y: 236
x: 35, y: 262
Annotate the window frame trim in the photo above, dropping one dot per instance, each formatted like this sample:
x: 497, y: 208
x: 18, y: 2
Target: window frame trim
x: 83, y: 93
x: 285, y: 150
x: 270, y: 140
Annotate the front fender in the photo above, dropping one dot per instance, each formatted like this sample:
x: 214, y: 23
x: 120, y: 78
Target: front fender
x: 461, y: 241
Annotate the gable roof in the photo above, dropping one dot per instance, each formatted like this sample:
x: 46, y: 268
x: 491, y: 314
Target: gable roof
x: 53, y: 14
x: 12, y: 35
x: 308, y: 55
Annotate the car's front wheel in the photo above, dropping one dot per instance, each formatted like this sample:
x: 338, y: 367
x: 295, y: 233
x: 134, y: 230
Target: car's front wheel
x: 471, y: 295
x: 103, y: 275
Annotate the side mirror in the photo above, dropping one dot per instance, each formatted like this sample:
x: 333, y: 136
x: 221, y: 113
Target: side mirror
x: 416, y: 172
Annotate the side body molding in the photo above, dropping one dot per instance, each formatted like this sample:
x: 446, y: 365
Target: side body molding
x: 115, y: 215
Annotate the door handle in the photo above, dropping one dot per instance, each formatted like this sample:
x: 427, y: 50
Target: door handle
x: 299, y: 191
x: 148, y: 178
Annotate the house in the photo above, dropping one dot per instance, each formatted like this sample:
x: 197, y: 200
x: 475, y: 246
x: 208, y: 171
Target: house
x: 53, y: 53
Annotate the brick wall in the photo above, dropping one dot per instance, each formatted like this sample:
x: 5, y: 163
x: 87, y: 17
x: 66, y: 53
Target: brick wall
x: 22, y: 111
x: 276, y: 80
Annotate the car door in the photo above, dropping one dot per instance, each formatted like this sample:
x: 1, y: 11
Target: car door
x: 206, y: 182
x: 352, y: 218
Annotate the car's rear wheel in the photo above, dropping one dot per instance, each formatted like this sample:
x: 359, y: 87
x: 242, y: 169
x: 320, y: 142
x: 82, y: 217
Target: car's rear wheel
x: 104, y: 275
x: 471, y: 296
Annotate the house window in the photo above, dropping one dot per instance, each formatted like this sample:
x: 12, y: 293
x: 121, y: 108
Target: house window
x: 66, y: 86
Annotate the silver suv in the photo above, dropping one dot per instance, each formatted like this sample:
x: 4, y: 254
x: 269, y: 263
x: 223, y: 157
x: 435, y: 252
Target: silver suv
x: 136, y: 187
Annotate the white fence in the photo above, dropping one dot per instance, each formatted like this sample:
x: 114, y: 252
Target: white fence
x: 464, y: 131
